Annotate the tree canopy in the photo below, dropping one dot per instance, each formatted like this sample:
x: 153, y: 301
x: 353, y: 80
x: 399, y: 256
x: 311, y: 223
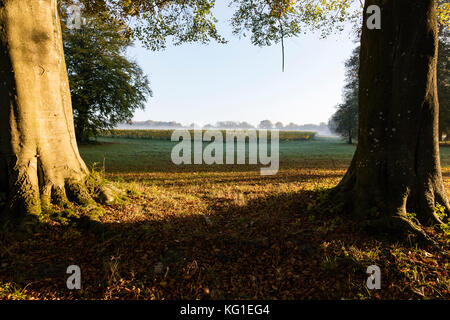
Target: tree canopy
x: 154, y: 22
x: 265, y: 124
x: 268, y: 21
x: 106, y: 87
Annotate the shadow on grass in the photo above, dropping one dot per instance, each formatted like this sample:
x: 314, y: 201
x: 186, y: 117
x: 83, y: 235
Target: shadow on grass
x: 265, y: 248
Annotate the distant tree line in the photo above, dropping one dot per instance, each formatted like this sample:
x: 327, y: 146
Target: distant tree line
x: 344, y: 121
x: 267, y: 124
x: 321, y: 128
x: 150, y: 124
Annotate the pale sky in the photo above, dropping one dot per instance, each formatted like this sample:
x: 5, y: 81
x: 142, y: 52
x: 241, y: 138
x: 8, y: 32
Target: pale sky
x: 240, y: 82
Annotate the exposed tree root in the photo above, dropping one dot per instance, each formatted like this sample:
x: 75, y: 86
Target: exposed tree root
x: 398, y: 227
x: 393, y: 222
x: 28, y: 202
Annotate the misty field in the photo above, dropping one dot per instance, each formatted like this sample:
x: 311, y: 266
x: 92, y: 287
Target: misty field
x: 217, y: 232
x: 150, y: 155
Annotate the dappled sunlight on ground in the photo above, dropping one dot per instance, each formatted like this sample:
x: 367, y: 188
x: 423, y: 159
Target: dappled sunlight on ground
x: 223, y: 232
x: 217, y: 235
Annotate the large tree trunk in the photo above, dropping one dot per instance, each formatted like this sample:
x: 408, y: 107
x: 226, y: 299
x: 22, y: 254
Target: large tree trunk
x: 39, y: 158
x: 396, y: 168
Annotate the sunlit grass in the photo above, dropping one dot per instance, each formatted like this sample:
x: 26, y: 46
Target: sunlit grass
x: 219, y: 232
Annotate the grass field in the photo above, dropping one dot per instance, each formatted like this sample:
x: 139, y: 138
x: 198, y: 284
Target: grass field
x: 148, y: 155
x: 219, y: 232
x: 153, y: 155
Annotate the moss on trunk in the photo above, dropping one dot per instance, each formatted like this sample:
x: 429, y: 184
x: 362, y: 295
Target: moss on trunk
x: 39, y: 158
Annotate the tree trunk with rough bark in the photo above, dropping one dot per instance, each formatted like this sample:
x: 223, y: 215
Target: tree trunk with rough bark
x: 39, y: 158
x: 396, y: 168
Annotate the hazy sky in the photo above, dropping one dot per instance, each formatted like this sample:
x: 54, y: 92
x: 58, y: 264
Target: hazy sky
x: 240, y: 82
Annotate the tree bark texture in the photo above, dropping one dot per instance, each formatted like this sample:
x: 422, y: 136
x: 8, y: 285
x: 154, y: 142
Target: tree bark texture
x: 39, y: 158
x: 396, y: 168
